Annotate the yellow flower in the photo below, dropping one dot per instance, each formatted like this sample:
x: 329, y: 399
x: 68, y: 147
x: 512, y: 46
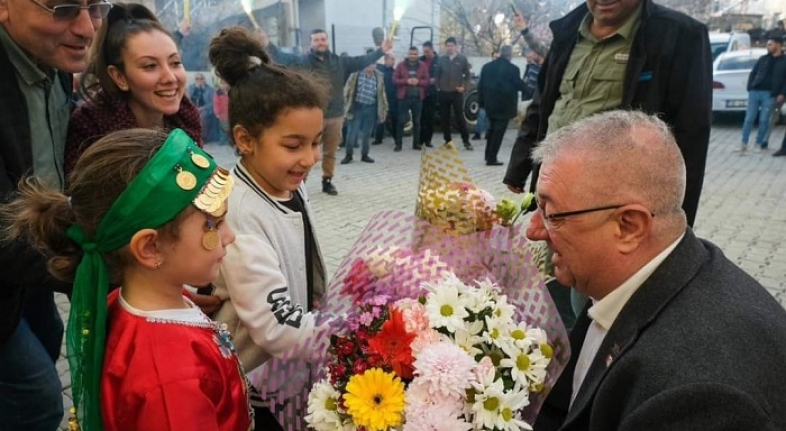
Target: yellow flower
x: 375, y: 400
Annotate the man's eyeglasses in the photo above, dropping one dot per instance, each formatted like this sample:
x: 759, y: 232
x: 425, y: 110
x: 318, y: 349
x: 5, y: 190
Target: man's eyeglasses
x: 65, y: 12
x: 553, y: 221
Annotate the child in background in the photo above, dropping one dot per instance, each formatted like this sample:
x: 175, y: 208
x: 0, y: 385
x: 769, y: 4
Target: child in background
x: 274, y: 272
x: 144, y: 210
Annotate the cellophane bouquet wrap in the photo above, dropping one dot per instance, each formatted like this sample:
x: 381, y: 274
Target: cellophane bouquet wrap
x: 450, y: 326
x: 444, y: 322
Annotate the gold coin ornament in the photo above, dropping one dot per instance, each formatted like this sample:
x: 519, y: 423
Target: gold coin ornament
x: 210, y: 240
x: 186, y: 180
x: 200, y: 160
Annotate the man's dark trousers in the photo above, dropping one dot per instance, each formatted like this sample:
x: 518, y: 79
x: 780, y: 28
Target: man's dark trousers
x: 427, y: 115
x: 391, y: 122
x: 496, y: 134
x: 452, y: 100
x: 414, y: 105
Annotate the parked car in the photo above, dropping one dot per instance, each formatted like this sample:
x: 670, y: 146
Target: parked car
x: 728, y: 42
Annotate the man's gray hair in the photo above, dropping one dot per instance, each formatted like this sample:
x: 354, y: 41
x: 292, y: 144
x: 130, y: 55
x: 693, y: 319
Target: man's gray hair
x: 506, y: 51
x: 633, y: 155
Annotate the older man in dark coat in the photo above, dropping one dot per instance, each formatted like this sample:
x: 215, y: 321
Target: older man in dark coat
x: 499, y: 86
x: 38, y: 54
x: 632, y: 55
x: 676, y: 337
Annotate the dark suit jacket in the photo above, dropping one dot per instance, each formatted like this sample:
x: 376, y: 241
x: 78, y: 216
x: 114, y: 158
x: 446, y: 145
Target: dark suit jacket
x: 700, y: 346
x: 22, y: 267
x: 499, y: 86
x: 669, y: 73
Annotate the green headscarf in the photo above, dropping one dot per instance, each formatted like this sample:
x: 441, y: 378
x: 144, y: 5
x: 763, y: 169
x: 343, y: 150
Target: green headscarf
x: 171, y: 181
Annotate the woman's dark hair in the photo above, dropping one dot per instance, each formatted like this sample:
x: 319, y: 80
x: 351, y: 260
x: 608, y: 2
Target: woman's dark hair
x: 259, y: 90
x: 41, y: 216
x: 124, y: 20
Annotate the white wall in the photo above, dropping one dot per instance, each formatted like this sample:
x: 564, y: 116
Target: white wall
x: 355, y: 19
x: 478, y: 62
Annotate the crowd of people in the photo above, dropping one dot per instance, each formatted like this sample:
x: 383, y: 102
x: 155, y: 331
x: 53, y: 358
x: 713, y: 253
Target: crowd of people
x: 116, y: 204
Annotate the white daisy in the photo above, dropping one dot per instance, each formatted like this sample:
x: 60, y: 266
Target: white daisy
x: 468, y: 341
x: 537, y: 334
x: 323, y: 407
x: 526, y: 368
x: 481, y: 297
x: 510, y: 411
x: 488, y: 403
x: 503, y: 310
x: 445, y: 308
x: 497, y: 332
x: 520, y: 337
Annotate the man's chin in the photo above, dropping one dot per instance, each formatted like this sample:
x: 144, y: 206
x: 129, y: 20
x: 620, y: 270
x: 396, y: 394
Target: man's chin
x: 70, y: 65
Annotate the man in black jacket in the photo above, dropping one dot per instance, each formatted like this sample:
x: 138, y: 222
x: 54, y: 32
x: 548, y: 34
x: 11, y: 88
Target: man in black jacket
x: 499, y: 86
x: 38, y: 52
x: 664, y: 68
x: 766, y: 90
x: 625, y: 54
x: 665, y: 344
x: 429, y: 110
x: 334, y: 70
x: 452, y: 79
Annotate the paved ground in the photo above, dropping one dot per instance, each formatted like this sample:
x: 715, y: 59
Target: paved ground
x: 743, y: 206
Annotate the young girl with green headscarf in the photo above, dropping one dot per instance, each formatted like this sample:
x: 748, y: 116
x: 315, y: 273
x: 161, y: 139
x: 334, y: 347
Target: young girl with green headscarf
x: 143, y: 210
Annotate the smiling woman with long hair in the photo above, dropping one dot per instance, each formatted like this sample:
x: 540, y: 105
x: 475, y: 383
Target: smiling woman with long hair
x: 134, y: 79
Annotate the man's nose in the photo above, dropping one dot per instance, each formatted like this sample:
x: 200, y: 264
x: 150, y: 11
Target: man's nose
x: 536, y: 230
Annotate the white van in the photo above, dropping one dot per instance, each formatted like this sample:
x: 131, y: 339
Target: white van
x: 727, y: 42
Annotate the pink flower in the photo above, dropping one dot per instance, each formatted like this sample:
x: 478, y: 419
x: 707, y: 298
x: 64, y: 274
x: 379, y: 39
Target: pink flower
x: 366, y: 318
x: 435, y: 417
x: 446, y: 368
x: 484, y: 367
x: 415, y: 315
x: 380, y: 300
x: 423, y: 339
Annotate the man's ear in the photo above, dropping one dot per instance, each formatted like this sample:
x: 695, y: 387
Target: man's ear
x: 635, y: 226
x: 118, y: 77
x: 144, y: 248
x: 4, y: 11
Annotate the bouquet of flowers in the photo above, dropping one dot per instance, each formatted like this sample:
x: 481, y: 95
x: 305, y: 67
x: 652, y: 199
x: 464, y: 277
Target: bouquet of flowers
x: 456, y: 358
x: 445, y: 324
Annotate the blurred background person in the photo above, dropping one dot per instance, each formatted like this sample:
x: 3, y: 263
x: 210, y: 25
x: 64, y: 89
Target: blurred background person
x: 221, y: 111
x: 498, y: 88
x: 391, y: 121
x: 201, y: 95
x: 453, y: 79
x: 429, y: 110
x: 412, y: 80
x: 482, y: 123
x: 365, y: 106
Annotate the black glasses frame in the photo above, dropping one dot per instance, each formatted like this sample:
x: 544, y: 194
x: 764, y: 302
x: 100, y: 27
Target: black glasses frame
x: 552, y: 219
x: 64, y: 12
